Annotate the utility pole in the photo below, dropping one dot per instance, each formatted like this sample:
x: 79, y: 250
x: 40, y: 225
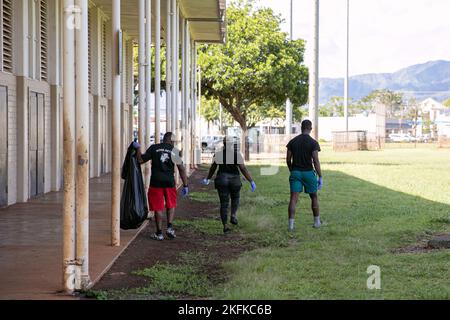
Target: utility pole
x: 314, y: 76
x: 346, y: 67
x: 220, y: 119
x: 288, y: 102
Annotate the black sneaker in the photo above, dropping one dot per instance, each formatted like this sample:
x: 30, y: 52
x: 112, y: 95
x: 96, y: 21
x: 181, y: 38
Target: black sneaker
x: 234, y: 221
x: 226, y: 230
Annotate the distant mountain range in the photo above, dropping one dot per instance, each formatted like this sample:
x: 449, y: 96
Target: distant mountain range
x: 430, y: 79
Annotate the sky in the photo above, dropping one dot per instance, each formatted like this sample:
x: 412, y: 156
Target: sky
x: 385, y: 35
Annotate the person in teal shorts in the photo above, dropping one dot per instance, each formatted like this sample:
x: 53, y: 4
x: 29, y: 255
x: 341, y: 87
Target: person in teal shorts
x: 302, y: 159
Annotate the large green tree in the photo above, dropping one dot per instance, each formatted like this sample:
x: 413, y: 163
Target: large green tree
x: 257, y: 68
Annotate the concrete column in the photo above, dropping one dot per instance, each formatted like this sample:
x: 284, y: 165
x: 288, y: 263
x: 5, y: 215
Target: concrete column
x: 55, y: 103
x: 157, y: 70
x: 199, y: 101
x: 168, y: 67
x: 197, y: 146
x: 288, y: 101
x: 55, y: 92
x: 141, y: 53
x: 346, y: 71
x: 187, y: 148
x: 148, y: 80
x: 69, y: 265
x: 177, y: 70
x: 82, y: 146
x: 314, y: 77
x: 21, y: 53
x: 115, y: 126
x: 193, y: 119
x: 183, y: 86
x: 174, y: 68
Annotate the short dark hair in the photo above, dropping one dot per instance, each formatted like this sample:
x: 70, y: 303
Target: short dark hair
x: 306, y: 125
x: 167, y: 137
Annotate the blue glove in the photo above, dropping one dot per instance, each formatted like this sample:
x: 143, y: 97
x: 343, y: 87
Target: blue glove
x: 253, y: 186
x: 320, y: 183
x: 206, y: 182
x: 136, y: 144
x: 185, y: 192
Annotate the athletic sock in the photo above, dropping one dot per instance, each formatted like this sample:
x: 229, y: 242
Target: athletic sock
x: 317, y: 221
x: 169, y: 225
x: 158, y: 231
x: 291, y: 224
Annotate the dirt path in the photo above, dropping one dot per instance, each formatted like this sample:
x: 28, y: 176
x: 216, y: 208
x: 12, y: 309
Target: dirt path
x: 194, y: 256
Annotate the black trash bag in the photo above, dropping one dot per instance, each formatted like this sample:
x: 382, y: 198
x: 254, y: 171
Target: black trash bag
x: 133, y: 203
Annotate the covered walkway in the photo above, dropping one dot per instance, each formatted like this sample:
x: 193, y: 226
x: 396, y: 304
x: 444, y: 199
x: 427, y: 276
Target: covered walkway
x: 68, y: 111
x: 31, y: 243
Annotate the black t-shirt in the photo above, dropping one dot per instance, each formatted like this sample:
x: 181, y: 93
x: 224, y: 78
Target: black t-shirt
x: 164, y: 157
x: 228, y: 161
x: 302, y: 148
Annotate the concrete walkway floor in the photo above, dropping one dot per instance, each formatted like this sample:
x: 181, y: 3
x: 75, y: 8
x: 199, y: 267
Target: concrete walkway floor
x: 31, y: 243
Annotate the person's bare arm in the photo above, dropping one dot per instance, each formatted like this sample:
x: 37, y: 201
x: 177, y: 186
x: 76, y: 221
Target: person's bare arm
x: 289, y: 159
x: 315, y: 156
x: 183, y: 174
x: 212, y: 170
x: 245, y: 172
x: 139, y: 156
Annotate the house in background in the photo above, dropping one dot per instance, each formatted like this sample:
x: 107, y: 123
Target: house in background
x: 438, y: 115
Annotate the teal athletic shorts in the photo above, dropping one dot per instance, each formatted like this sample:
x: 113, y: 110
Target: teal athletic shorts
x: 300, y: 180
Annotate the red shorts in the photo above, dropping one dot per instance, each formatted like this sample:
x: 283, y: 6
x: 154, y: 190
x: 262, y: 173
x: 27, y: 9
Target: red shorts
x: 156, y: 198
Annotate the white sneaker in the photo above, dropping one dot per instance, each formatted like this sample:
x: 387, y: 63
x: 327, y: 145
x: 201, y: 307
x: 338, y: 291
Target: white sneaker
x: 171, y: 233
x: 317, y: 224
x: 158, y: 237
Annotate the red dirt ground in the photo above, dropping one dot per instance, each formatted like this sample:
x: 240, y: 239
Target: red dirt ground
x: 144, y: 252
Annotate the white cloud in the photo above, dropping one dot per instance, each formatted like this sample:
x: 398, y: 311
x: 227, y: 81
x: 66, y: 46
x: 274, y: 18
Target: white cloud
x: 385, y: 35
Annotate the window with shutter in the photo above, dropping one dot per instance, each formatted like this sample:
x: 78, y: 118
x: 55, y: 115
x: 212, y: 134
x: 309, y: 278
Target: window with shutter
x: 43, y: 35
x: 7, y: 35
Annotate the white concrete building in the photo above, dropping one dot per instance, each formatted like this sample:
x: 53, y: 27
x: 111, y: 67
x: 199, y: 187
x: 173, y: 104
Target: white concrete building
x: 360, y: 122
x: 66, y: 79
x: 31, y: 83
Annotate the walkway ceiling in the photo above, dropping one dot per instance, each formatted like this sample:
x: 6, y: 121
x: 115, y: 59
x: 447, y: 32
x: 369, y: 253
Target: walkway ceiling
x: 206, y: 17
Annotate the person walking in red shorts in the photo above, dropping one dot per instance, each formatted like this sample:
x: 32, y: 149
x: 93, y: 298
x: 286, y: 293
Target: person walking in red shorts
x: 162, y: 193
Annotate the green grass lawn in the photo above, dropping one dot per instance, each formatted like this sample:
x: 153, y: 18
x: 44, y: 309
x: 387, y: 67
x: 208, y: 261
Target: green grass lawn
x: 372, y: 203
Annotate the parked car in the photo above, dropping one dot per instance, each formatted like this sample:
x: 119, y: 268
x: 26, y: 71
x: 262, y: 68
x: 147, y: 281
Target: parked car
x: 400, y: 137
x: 211, y: 143
x: 152, y: 138
x: 424, y: 138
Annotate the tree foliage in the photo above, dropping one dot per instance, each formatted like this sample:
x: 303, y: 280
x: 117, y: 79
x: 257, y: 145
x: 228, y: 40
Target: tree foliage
x: 210, y: 111
x: 335, y: 107
x: 392, y: 100
x: 257, y: 68
x: 447, y: 103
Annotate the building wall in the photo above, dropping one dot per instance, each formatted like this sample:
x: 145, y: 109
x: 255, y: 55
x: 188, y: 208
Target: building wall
x: 27, y: 76
x: 9, y: 81
x: 327, y: 125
